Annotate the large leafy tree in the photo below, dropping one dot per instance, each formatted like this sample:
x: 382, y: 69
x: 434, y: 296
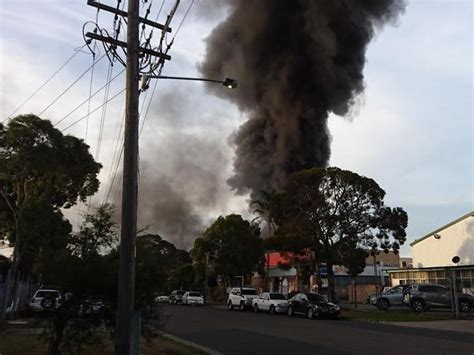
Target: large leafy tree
x: 233, y: 247
x: 261, y: 207
x: 157, y: 260
x: 39, y: 166
x: 327, y: 213
x: 97, y: 233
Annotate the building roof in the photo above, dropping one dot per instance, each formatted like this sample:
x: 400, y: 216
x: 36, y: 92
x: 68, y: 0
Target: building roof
x: 470, y: 214
x: 432, y: 268
x: 274, y: 259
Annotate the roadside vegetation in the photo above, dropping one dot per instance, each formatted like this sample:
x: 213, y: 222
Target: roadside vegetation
x: 19, y: 342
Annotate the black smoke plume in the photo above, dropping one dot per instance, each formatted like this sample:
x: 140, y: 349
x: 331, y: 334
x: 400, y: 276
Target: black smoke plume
x: 297, y: 61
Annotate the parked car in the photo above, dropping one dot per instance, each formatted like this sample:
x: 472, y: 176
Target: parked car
x: 272, y: 302
x: 45, y: 300
x: 194, y: 298
x: 392, y: 296
x: 162, y: 299
x: 312, y: 305
x: 241, y: 298
x: 177, y: 296
x: 420, y: 297
x: 91, y: 306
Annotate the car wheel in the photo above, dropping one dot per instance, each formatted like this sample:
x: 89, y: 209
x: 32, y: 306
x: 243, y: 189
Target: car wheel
x: 464, y: 306
x: 48, y: 303
x: 310, y: 313
x: 241, y: 306
x: 418, y: 305
x: 230, y: 306
x: 272, y: 309
x: 290, y: 311
x: 382, y: 304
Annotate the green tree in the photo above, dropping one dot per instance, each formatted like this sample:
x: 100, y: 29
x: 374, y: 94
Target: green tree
x: 234, y: 248
x: 262, y: 207
x: 97, y: 234
x: 39, y: 163
x: 323, y: 211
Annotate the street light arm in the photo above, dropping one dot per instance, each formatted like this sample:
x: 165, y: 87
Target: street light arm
x: 227, y: 82
x: 184, y: 78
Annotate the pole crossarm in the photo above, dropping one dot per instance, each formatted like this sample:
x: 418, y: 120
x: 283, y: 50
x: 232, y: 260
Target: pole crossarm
x: 125, y: 14
x: 124, y: 45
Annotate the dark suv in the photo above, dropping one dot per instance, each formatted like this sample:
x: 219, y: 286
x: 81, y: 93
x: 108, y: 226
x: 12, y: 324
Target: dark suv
x: 423, y: 296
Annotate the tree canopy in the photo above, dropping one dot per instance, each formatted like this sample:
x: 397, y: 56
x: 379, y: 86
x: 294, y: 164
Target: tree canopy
x: 233, y: 245
x: 41, y: 171
x: 327, y: 213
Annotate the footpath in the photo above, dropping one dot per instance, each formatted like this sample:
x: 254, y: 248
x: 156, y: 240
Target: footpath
x: 401, y: 316
x: 465, y: 326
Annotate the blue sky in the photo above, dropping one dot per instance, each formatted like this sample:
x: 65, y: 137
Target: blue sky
x: 412, y: 130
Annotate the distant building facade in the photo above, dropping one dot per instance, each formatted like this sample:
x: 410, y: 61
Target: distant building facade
x: 285, y: 278
x: 434, y: 252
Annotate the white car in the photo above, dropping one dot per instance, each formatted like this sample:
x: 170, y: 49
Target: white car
x: 193, y: 298
x: 45, y: 300
x: 162, y: 299
x: 272, y: 302
x: 241, y: 298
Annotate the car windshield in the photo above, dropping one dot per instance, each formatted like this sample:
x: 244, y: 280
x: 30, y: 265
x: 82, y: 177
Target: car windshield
x: 195, y: 294
x: 249, y: 291
x: 46, y: 294
x: 316, y: 298
x: 277, y: 296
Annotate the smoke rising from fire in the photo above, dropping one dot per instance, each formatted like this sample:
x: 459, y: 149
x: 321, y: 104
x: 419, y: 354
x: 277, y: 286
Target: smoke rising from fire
x: 297, y: 61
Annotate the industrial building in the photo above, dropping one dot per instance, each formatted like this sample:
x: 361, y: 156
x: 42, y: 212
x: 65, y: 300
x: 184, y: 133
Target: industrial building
x: 433, y: 256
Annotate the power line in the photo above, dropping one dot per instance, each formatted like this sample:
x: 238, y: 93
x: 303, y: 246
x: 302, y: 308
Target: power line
x: 94, y: 110
x: 104, y: 111
x: 90, y: 88
x: 77, y: 51
x: 184, y: 18
x: 88, y: 99
x: 70, y: 86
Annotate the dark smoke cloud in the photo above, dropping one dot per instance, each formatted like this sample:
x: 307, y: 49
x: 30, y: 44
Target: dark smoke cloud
x: 297, y: 61
x: 183, y: 166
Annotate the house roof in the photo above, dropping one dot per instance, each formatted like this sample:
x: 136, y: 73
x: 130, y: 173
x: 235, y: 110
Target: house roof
x: 470, y: 214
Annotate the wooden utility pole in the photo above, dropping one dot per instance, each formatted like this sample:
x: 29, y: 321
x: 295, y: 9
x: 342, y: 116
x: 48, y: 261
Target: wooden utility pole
x: 126, y: 314
x: 126, y: 285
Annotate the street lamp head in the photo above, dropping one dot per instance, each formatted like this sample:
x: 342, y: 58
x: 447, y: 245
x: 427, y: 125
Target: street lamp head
x: 230, y: 83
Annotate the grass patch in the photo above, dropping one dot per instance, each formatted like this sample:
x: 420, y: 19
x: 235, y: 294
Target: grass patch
x: 394, y: 316
x: 20, y: 342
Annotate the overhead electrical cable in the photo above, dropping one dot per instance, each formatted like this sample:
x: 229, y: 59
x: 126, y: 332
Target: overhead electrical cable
x: 70, y: 86
x: 104, y: 111
x: 86, y: 100
x: 94, y: 110
x: 77, y: 51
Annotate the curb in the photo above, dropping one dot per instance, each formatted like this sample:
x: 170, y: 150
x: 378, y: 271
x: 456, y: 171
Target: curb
x: 191, y: 344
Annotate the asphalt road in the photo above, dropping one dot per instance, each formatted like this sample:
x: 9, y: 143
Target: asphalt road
x: 249, y: 333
